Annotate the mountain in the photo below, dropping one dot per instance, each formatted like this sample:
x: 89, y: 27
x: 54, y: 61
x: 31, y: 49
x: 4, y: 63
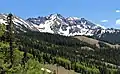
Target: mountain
x: 67, y: 26
x: 70, y: 26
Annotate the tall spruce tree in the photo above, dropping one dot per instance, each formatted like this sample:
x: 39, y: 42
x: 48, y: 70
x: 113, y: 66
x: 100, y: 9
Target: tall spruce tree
x: 10, y: 30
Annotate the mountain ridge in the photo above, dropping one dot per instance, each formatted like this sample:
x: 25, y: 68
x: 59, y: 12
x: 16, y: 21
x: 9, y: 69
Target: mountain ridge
x: 67, y: 26
x: 79, y: 24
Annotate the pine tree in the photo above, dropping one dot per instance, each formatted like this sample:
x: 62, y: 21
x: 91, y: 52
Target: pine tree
x: 10, y: 29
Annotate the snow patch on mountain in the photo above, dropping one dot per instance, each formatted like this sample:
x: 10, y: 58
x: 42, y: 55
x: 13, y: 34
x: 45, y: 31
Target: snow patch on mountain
x: 73, y: 18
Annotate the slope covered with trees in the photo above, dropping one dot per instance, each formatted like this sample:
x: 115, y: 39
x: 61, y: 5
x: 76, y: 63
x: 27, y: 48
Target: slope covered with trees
x: 22, y: 62
x: 31, y: 49
x: 68, y: 52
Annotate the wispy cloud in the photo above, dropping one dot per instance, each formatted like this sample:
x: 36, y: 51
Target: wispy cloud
x: 117, y: 11
x: 104, y: 21
x: 118, y: 22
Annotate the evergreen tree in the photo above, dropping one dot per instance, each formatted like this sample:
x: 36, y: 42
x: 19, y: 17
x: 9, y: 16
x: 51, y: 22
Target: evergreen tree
x: 10, y: 29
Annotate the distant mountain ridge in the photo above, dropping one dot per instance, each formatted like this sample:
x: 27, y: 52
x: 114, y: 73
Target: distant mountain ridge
x: 67, y: 26
x: 70, y: 26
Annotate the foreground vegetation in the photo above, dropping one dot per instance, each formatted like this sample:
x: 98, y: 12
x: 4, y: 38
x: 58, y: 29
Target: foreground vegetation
x: 32, y: 49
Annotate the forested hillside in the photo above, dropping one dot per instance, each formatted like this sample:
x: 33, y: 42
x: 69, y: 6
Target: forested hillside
x: 22, y: 62
x: 32, y: 49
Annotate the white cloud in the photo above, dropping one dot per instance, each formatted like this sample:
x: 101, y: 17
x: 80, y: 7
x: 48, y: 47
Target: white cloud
x: 104, y: 21
x: 118, y: 22
x: 117, y: 11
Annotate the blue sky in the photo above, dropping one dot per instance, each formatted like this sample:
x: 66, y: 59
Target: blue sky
x: 104, y: 12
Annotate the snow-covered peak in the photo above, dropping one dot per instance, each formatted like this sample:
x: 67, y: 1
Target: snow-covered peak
x: 55, y: 16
